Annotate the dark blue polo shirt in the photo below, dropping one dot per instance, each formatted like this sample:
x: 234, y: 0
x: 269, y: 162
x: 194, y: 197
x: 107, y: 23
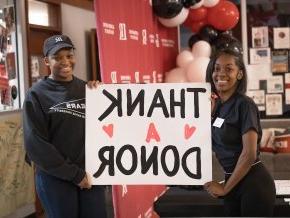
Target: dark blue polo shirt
x: 240, y: 115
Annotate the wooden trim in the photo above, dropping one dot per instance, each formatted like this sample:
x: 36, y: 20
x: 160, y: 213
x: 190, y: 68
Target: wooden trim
x: 85, y: 4
x: 44, y: 28
x: 54, y: 12
x: 28, y: 42
x: 57, y: 2
x: 94, y: 49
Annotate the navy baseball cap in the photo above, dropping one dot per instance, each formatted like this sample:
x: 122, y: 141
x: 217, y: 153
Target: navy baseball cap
x: 54, y: 43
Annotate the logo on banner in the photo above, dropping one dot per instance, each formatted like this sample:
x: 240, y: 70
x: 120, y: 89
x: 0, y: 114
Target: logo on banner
x: 144, y: 37
x: 122, y: 31
x: 157, y: 43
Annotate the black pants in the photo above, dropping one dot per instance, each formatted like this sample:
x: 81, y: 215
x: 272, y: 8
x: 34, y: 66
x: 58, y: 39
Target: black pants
x: 254, y: 195
x: 62, y: 199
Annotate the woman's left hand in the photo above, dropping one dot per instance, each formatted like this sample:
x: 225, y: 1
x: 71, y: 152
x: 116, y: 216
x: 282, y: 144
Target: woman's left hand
x: 94, y: 84
x: 215, y: 189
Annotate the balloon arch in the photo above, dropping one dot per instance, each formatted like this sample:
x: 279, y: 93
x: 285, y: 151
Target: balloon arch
x: 207, y: 19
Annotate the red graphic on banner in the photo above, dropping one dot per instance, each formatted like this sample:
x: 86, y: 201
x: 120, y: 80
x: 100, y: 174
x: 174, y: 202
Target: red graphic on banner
x: 136, y: 201
x: 134, y: 48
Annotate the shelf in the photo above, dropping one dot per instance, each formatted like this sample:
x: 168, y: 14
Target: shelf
x: 44, y: 28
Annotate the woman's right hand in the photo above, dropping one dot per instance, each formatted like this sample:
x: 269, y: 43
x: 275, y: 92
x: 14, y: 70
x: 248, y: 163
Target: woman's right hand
x: 85, y: 183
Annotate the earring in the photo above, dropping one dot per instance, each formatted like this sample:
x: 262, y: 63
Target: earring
x: 240, y: 76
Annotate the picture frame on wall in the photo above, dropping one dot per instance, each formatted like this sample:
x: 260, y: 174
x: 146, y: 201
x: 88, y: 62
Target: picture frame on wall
x: 260, y: 55
x: 38, y: 68
x: 258, y: 97
x: 10, y: 65
x: 275, y: 84
x: 260, y: 37
x: 274, y: 104
x: 287, y: 79
x: 6, y: 96
x: 279, y: 61
x: 287, y: 96
x: 281, y: 37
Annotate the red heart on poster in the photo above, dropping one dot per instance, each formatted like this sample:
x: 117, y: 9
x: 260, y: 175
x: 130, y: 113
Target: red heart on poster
x: 188, y: 131
x: 109, y: 129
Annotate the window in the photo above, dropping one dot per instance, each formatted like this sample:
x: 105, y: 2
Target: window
x: 9, y: 78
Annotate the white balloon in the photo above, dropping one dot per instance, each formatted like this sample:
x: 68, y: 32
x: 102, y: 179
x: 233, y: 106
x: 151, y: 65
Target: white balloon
x: 197, y: 5
x: 201, y: 49
x: 196, y: 70
x: 210, y: 3
x: 176, y: 75
x: 175, y: 21
x: 184, y: 58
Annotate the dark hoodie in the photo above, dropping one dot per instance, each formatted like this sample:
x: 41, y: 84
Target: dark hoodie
x: 54, y: 128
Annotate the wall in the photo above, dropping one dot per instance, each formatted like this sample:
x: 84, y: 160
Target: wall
x: 75, y: 23
x: 16, y: 177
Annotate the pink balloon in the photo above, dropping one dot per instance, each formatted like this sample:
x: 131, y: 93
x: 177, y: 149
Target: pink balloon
x: 184, y: 58
x: 176, y: 75
x: 196, y: 70
x: 201, y: 49
x: 175, y: 21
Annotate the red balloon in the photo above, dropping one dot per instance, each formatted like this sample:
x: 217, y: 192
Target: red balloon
x: 196, y: 26
x: 197, y: 14
x: 187, y: 22
x: 224, y: 16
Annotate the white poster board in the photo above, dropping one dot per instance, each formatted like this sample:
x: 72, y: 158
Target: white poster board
x: 149, y: 134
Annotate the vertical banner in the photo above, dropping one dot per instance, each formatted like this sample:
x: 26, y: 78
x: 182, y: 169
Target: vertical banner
x: 134, y: 48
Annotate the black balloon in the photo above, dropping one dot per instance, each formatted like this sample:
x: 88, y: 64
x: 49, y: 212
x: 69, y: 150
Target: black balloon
x: 208, y: 33
x: 223, y: 39
x: 189, y: 3
x: 228, y: 42
x: 193, y: 39
x: 227, y: 32
x: 167, y: 8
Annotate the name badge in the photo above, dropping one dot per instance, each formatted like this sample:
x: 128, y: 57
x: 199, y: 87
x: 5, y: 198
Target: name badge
x: 218, y: 122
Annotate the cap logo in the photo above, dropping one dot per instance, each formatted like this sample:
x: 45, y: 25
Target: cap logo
x: 58, y: 39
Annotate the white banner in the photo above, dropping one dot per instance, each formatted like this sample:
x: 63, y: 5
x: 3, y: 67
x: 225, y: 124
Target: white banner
x: 149, y: 134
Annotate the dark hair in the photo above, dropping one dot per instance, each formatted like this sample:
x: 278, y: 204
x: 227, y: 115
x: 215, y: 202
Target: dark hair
x: 237, y: 54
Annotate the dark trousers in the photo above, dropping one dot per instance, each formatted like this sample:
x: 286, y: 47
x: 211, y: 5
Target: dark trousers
x: 62, y: 199
x: 254, y: 195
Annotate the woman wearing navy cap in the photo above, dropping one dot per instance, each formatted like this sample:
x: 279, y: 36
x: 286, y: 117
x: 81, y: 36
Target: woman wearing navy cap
x: 248, y: 189
x: 54, y: 137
